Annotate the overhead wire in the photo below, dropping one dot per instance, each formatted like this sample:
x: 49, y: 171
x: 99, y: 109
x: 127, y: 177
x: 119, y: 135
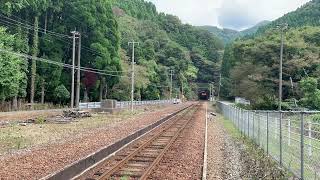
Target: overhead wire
x: 58, y: 63
x: 62, y: 37
x: 10, y: 24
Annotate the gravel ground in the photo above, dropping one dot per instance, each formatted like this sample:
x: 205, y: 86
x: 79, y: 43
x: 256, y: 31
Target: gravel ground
x: 185, y: 158
x: 39, y: 162
x: 223, y: 156
x: 232, y: 157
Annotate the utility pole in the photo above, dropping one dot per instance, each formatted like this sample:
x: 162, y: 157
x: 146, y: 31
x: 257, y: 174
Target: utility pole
x: 78, y: 73
x: 182, y: 90
x: 210, y: 88
x: 74, y: 33
x: 132, y: 72
x: 282, y: 27
x: 292, y: 87
x: 171, y: 78
x: 219, y: 86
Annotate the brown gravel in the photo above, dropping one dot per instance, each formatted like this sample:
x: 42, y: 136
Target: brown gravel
x: 41, y: 161
x: 185, y: 158
x: 223, y: 155
x: 233, y: 157
x: 24, y: 115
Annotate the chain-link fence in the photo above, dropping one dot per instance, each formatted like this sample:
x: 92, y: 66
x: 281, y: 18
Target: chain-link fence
x: 291, y: 138
x: 126, y: 104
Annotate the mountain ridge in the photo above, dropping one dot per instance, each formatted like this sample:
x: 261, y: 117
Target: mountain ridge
x: 228, y: 35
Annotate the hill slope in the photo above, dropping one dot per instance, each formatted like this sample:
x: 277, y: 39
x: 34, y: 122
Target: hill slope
x: 306, y: 15
x: 228, y: 35
x: 254, y: 61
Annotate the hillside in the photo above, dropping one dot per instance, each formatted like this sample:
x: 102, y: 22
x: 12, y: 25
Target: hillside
x: 165, y: 43
x: 41, y: 28
x: 254, y: 29
x: 254, y: 61
x: 228, y: 35
x: 306, y: 15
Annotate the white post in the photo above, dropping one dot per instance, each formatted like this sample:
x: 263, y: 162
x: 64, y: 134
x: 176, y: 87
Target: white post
x: 310, y: 138
x: 289, y: 132
x: 132, y: 73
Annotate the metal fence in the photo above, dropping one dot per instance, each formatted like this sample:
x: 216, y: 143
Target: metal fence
x: 124, y: 104
x: 291, y: 138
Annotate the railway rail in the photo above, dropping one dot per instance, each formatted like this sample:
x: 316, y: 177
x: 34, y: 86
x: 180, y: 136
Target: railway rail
x: 139, y: 159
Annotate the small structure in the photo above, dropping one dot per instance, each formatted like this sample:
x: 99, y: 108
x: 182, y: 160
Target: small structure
x: 239, y: 100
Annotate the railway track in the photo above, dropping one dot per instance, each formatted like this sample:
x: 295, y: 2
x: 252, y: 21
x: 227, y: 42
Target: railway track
x: 138, y: 160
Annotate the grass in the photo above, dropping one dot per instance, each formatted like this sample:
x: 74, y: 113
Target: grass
x: 16, y: 137
x: 291, y: 153
x: 268, y: 165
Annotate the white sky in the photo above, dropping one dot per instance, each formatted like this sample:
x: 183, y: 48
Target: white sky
x: 234, y: 14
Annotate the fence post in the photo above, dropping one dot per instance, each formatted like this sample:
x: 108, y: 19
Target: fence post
x: 238, y: 118
x: 241, y: 123
x: 253, y: 124
x: 248, y: 116
x: 268, y: 133
x: 259, y: 123
x: 310, y: 137
x: 289, y: 132
x: 280, y: 138
x: 302, y: 146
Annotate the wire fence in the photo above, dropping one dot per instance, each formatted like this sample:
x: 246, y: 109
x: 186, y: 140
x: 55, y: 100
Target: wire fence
x: 291, y: 138
x: 125, y: 104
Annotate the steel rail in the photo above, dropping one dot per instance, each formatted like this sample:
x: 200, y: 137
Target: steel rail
x: 145, y: 169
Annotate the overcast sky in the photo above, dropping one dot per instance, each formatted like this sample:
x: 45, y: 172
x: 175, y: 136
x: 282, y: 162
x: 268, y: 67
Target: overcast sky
x: 234, y: 14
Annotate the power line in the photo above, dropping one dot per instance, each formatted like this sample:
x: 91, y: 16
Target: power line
x: 10, y: 24
x: 39, y: 29
x: 58, y: 63
x: 61, y: 37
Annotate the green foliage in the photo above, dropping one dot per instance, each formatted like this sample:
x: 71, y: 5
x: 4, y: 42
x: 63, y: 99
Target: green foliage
x: 61, y: 93
x: 315, y: 118
x: 307, y: 15
x: 166, y: 43
x: 229, y: 35
x: 106, y: 27
x: 252, y: 65
x: 311, y: 93
x: 11, y: 68
x: 40, y: 120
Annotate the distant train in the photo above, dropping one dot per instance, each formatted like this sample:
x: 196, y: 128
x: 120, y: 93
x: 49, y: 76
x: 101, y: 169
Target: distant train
x: 204, y: 95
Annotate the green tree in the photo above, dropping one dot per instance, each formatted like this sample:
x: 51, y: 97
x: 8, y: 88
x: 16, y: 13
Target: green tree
x: 61, y: 94
x: 11, y: 68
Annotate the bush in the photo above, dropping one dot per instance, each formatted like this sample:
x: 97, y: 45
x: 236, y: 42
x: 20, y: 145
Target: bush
x: 61, y: 93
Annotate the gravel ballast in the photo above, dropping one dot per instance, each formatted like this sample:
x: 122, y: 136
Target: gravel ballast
x: 231, y: 156
x: 38, y: 162
x: 223, y: 155
x: 184, y: 159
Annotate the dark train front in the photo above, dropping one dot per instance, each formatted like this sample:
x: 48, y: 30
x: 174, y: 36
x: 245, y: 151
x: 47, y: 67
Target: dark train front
x: 204, y: 95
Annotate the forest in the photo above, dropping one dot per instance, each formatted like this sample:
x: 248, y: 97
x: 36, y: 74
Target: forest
x: 250, y: 64
x: 36, y: 51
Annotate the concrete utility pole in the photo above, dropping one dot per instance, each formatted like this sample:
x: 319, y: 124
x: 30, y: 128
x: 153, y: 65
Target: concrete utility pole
x: 78, y: 73
x: 182, y: 90
x: 210, y: 88
x: 132, y: 72
x: 171, y: 78
x: 74, y: 33
x: 219, y: 86
x: 292, y: 88
x: 282, y: 27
